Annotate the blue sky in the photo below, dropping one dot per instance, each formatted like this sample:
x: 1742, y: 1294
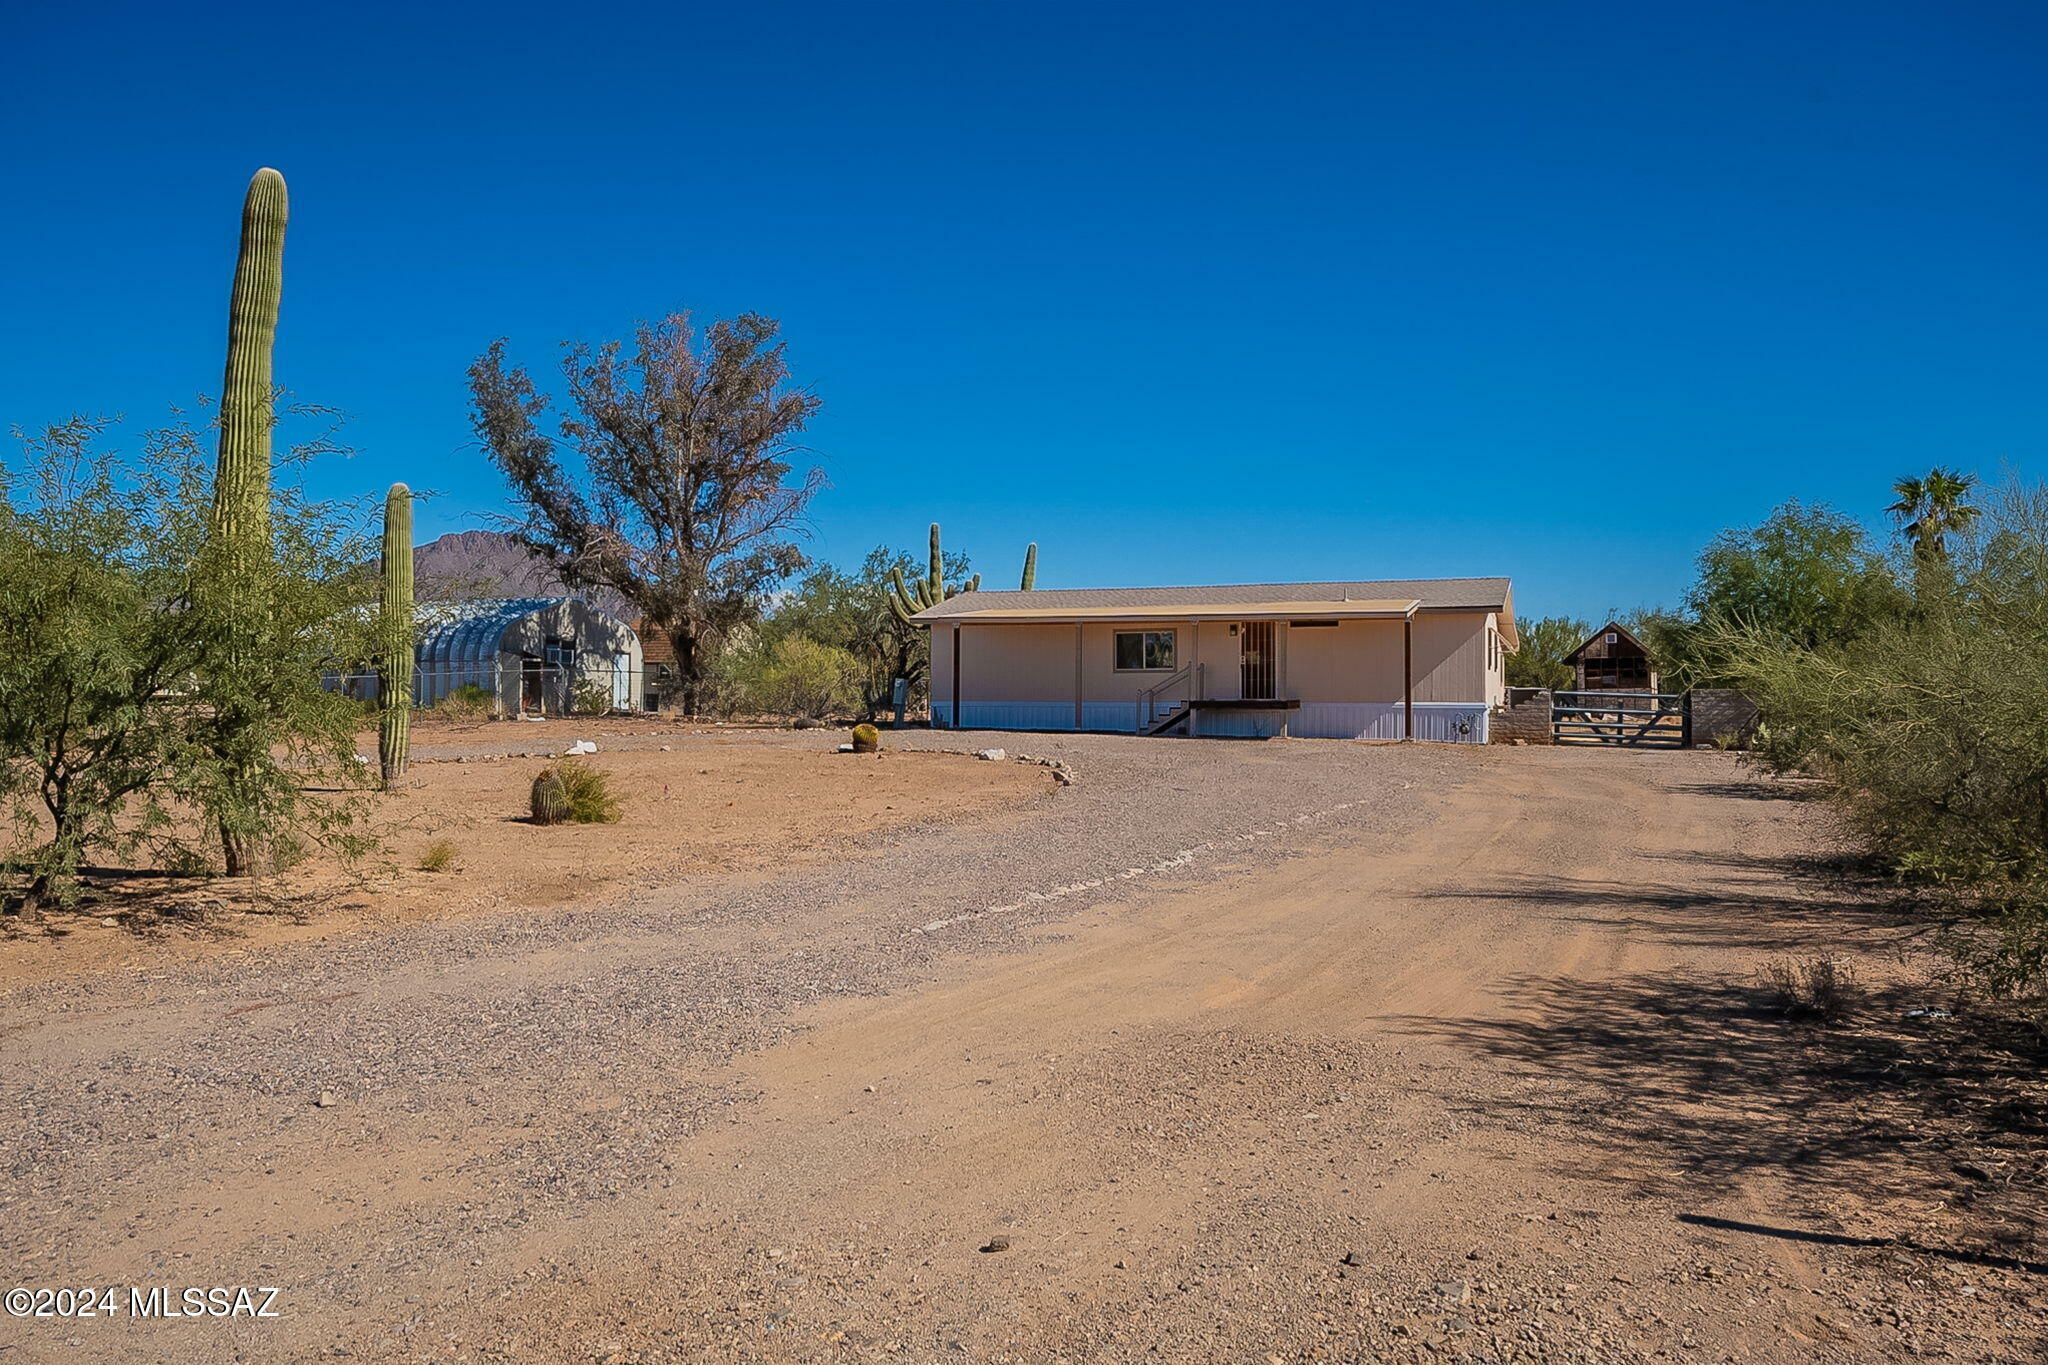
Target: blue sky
x: 1186, y: 292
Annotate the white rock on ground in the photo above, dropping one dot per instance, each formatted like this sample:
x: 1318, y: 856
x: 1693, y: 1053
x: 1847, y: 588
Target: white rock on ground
x: 991, y: 755
x: 579, y: 748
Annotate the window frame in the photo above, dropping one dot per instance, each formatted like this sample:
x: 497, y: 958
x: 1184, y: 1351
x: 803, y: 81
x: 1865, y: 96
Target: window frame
x: 1172, y: 637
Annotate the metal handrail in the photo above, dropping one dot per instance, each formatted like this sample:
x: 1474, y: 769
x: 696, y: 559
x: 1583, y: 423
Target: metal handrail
x: 1148, y: 698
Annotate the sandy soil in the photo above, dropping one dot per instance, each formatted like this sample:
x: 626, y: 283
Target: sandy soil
x: 724, y: 803
x: 1407, y: 1054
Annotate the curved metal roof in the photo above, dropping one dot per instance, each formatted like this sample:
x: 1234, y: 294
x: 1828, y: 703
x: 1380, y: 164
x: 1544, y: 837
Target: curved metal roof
x: 458, y: 642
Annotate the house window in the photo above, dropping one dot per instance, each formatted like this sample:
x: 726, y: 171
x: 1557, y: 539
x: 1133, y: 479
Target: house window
x: 560, y: 652
x: 1144, y: 651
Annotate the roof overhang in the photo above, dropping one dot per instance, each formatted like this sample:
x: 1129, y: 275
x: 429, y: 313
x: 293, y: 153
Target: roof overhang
x: 1385, y: 609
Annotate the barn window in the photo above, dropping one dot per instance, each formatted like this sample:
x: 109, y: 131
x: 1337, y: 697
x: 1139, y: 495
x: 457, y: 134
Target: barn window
x: 1144, y: 651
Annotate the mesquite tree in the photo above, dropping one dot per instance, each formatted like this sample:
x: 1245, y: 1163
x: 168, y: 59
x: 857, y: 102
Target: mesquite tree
x: 685, y: 495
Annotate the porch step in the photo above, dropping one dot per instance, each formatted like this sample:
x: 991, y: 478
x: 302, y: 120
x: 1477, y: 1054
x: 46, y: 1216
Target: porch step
x: 1178, y: 715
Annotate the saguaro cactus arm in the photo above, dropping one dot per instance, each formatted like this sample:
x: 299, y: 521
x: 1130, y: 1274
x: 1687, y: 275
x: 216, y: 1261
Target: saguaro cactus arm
x: 908, y: 598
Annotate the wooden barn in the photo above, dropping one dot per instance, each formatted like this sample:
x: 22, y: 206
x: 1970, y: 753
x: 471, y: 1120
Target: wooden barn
x: 1612, y: 660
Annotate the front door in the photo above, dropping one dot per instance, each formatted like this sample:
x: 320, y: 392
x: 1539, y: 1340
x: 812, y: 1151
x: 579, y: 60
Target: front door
x: 1256, y: 661
x: 531, y: 695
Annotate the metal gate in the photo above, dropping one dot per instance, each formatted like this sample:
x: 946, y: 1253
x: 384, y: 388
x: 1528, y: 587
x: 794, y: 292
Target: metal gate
x: 1257, y: 661
x: 1635, y: 720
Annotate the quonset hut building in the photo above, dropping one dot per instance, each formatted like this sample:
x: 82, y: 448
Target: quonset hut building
x: 530, y: 653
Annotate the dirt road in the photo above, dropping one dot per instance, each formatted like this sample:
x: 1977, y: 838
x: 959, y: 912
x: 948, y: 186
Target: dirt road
x: 1421, y: 1055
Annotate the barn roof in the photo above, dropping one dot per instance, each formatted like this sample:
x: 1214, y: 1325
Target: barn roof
x: 1357, y: 598
x: 1617, y: 628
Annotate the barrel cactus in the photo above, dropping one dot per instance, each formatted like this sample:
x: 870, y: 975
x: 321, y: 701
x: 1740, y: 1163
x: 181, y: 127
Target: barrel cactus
x: 867, y: 739
x: 395, y: 642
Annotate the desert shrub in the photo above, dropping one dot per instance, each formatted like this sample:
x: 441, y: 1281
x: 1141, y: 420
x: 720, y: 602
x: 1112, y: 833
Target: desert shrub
x: 573, y: 792
x: 1819, y: 988
x: 467, y: 702
x: 592, y: 697
x: 438, y: 856
x: 794, y: 676
x: 866, y: 739
x: 1928, y: 726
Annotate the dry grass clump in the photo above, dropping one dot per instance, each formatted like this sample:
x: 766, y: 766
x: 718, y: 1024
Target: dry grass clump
x: 573, y: 792
x: 438, y: 856
x: 1819, y: 988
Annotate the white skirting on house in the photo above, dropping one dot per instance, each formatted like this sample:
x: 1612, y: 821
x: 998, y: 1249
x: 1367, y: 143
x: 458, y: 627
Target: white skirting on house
x: 1444, y: 722
x: 1447, y: 722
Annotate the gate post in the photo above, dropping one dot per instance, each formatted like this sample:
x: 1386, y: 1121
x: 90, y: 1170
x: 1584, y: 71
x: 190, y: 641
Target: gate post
x: 1685, y: 720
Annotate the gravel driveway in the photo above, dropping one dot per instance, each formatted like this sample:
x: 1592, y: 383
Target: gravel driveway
x: 163, y: 1126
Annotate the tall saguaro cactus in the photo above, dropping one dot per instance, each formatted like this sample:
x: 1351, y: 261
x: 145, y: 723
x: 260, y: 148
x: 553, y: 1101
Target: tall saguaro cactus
x: 1030, y: 568
x: 241, y: 489
x: 907, y: 600
x: 240, y: 542
x: 395, y: 637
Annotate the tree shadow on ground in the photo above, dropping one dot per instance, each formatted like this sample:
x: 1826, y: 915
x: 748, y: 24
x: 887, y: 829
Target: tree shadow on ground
x: 1770, y: 907
x: 1754, y: 789
x: 1686, y: 1085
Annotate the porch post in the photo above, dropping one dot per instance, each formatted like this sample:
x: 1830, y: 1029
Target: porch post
x: 1079, y: 693
x: 956, y: 675
x: 1408, y: 676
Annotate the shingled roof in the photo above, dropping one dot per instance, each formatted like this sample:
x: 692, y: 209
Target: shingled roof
x: 1372, y: 596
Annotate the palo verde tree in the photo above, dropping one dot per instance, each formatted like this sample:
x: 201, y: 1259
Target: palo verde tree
x: 684, y: 494
x: 111, y: 673
x: 93, y: 718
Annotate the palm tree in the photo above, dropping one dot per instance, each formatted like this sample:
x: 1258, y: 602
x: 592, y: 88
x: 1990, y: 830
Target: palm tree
x: 1928, y: 509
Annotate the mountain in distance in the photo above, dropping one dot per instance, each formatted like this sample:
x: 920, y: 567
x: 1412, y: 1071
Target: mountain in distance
x: 469, y: 565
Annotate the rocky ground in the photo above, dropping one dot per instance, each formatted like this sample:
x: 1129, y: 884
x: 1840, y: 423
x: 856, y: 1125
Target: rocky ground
x: 1282, y: 1051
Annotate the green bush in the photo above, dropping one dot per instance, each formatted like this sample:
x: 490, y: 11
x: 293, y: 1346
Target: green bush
x: 438, y: 856
x: 1929, y: 728
x: 592, y: 698
x: 467, y: 702
x: 573, y: 792
x: 793, y: 676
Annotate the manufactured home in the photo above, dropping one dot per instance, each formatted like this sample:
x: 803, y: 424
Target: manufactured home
x: 1382, y: 659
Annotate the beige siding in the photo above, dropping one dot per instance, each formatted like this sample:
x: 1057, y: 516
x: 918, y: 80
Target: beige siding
x: 1353, y: 661
x: 1350, y: 661
x: 1098, y: 659
x: 1450, y: 657
x: 1016, y: 663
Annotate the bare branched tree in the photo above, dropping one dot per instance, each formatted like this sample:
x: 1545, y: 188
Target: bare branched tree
x: 688, y: 498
